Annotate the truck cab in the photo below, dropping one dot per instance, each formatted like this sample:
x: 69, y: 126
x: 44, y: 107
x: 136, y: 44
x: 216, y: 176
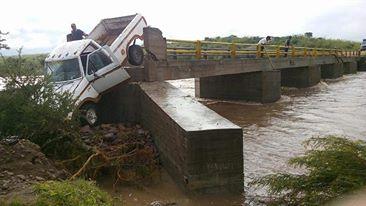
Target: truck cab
x: 90, y: 67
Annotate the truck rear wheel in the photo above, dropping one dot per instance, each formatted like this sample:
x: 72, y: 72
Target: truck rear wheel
x: 90, y: 114
x: 135, y: 55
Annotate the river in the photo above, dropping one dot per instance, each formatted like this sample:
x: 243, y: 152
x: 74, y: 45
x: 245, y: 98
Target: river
x: 273, y: 133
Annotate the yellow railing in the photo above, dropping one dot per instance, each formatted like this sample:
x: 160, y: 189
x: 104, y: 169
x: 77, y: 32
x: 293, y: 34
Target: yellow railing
x: 204, y: 49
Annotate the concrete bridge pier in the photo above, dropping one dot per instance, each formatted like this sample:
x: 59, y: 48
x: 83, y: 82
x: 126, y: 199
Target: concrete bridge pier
x: 300, y: 77
x: 350, y: 67
x: 201, y: 150
x: 264, y: 87
x: 331, y: 71
x: 361, y: 64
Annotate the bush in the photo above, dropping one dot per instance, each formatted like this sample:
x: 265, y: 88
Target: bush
x: 335, y: 167
x: 297, y: 41
x: 31, y: 108
x: 71, y: 193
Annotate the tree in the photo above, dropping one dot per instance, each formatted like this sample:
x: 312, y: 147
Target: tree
x: 335, y: 166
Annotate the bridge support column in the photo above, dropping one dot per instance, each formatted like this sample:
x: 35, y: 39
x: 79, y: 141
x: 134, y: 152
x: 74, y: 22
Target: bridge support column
x: 300, y: 77
x: 264, y: 87
x: 350, y: 67
x: 201, y: 150
x: 361, y: 64
x: 331, y: 71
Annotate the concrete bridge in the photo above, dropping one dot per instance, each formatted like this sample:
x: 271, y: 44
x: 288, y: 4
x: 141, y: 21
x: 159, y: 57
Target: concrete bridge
x: 201, y: 150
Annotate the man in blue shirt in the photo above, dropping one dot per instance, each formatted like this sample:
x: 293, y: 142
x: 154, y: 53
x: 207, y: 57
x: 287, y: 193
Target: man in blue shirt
x: 76, y: 34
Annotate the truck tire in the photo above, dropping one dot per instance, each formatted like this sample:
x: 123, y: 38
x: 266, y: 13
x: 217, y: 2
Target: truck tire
x: 89, y: 114
x: 135, y: 55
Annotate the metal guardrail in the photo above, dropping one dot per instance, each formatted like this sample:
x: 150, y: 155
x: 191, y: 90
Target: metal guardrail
x: 204, y: 49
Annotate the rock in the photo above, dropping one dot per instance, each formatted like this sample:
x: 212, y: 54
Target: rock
x: 22, y: 177
x: 109, y: 137
x: 4, y: 187
x: 10, y: 141
x: 105, y: 126
x: 39, y: 178
x: 8, y: 173
x: 140, y: 132
x: 121, y: 127
x: 156, y: 203
x: 86, y: 130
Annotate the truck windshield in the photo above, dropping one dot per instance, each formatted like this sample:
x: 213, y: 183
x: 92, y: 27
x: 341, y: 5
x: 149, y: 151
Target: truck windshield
x: 63, y: 70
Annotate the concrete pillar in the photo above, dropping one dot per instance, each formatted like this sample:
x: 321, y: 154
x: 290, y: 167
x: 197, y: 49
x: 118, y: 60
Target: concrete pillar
x: 350, y: 67
x: 361, y: 64
x: 122, y: 104
x: 201, y: 150
x: 300, y: 77
x: 264, y: 87
x: 331, y: 71
x: 155, y: 43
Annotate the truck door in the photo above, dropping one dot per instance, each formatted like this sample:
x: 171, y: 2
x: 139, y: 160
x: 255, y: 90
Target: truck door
x: 103, y: 72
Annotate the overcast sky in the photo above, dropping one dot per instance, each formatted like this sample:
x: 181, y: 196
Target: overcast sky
x: 39, y: 25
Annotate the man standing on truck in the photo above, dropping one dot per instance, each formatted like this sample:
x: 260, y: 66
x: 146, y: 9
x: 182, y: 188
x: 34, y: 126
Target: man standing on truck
x: 76, y: 34
x: 263, y: 42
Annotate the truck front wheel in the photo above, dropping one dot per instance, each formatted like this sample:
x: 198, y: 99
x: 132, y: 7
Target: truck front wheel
x: 135, y: 55
x: 89, y: 114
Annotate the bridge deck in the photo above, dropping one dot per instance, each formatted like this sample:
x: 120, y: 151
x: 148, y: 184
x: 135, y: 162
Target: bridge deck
x: 162, y: 70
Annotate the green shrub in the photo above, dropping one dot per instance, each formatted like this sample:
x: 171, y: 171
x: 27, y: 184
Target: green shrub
x: 13, y: 203
x: 335, y: 166
x: 71, y: 193
x: 31, y: 108
x: 297, y: 40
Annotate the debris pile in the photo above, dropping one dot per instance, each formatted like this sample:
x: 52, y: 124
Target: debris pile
x: 126, y: 151
x: 21, y: 165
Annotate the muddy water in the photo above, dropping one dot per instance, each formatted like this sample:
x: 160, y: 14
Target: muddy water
x: 273, y: 133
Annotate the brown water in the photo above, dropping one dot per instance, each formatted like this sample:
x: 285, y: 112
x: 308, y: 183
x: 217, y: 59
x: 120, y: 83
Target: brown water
x: 273, y: 133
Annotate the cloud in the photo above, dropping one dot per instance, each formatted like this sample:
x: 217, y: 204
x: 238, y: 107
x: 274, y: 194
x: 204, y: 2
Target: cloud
x: 40, y: 25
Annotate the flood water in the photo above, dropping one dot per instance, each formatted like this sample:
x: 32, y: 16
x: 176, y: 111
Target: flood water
x: 273, y: 133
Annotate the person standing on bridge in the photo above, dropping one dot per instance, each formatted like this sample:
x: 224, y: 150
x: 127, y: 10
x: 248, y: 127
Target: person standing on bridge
x: 76, y: 34
x: 287, y: 45
x: 263, y: 42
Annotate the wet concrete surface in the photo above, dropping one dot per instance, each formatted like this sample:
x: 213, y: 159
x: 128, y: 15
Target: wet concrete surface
x: 185, y: 110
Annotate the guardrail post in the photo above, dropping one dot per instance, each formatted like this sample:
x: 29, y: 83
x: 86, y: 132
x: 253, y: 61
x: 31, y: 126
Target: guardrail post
x: 293, y: 52
x: 305, y: 52
x: 278, y: 51
x: 315, y: 53
x: 259, y: 51
x: 233, y: 51
x: 198, y: 49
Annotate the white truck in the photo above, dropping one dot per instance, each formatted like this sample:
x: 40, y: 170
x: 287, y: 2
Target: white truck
x: 90, y: 67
